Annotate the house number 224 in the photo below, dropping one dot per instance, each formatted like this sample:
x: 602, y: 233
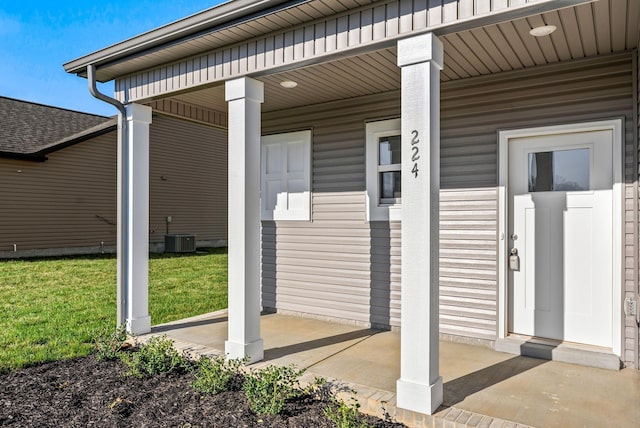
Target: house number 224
x: 415, y: 150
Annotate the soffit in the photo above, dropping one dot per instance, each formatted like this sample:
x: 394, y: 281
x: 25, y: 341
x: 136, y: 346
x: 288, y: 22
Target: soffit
x: 229, y: 35
x: 598, y: 28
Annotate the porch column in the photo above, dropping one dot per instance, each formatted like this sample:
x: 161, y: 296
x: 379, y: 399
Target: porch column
x: 244, y: 96
x: 133, y: 221
x: 420, y: 385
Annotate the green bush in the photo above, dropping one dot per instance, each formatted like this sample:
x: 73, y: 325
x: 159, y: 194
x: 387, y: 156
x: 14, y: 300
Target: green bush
x: 157, y: 356
x: 217, y: 375
x: 344, y: 415
x: 108, y: 342
x: 268, y: 389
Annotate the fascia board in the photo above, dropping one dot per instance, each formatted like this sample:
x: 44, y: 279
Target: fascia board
x: 180, y: 30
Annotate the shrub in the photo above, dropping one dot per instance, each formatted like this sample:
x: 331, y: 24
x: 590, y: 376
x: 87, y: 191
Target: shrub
x: 108, y: 343
x: 268, y: 389
x: 157, y: 356
x: 344, y: 415
x: 214, y: 376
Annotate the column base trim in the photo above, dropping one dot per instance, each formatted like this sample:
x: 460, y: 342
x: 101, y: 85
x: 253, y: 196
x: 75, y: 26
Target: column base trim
x: 254, y: 351
x: 419, y: 397
x: 139, y: 325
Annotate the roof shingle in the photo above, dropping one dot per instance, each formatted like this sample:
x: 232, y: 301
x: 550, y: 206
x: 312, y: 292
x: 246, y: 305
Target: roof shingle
x: 28, y: 128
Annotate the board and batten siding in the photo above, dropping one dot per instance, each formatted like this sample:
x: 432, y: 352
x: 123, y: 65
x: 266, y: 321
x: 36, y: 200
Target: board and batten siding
x: 69, y: 201
x: 306, y: 40
x: 338, y: 265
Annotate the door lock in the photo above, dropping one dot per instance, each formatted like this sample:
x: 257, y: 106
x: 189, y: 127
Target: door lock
x: 514, y: 260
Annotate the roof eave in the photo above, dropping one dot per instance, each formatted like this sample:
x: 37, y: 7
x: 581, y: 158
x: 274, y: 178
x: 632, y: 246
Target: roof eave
x: 209, y: 20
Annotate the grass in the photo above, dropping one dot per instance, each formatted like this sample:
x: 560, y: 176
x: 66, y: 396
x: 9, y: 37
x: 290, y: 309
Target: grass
x: 50, y: 308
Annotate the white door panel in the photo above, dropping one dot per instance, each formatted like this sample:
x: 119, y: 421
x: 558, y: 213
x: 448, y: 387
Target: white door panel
x: 560, y: 188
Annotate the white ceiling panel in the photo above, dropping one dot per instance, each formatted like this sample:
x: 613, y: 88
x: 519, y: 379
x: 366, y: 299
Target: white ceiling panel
x: 598, y: 28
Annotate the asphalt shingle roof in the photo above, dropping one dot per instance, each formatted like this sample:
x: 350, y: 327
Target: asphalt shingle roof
x: 31, y: 129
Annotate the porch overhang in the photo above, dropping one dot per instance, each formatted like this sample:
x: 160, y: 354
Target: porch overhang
x: 359, y: 46
x: 301, y: 27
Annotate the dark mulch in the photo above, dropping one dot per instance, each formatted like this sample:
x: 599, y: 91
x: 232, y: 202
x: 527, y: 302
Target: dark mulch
x: 86, y: 392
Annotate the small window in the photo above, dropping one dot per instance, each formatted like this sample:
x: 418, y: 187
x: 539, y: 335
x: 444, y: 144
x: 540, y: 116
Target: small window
x: 384, y: 163
x: 389, y: 163
x: 559, y: 171
x: 285, y: 176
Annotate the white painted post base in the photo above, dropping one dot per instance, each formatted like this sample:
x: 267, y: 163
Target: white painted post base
x: 133, y: 221
x: 244, y: 96
x: 253, y: 351
x: 420, y: 386
x: 419, y: 397
x: 139, y: 325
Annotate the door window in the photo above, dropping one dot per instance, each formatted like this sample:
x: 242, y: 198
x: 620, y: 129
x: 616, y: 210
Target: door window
x: 559, y: 170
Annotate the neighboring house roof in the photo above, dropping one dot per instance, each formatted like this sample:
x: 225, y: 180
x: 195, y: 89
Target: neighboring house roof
x: 30, y: 130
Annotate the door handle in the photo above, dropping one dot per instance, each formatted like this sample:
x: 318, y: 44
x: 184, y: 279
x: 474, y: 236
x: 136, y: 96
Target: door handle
x: 514, y: 260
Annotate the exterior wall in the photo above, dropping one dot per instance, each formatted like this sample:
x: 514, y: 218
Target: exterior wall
x: 188, y: 179
x: 69, y: 201
x: 337, y: 265
x: 322, y: 267
x: 632, y: 288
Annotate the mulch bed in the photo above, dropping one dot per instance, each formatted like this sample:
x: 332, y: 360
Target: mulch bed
x: 85, y: 392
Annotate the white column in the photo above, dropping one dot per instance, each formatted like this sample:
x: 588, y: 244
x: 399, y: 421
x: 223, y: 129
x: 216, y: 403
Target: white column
x: 420, y: 385
x: 244, y: 96
x: 133, y: 221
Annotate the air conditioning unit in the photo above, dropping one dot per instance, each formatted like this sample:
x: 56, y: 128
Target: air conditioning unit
x: 179, y: 243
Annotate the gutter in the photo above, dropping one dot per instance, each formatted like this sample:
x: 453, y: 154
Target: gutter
x: 122, y: 186
x: 211, y: 20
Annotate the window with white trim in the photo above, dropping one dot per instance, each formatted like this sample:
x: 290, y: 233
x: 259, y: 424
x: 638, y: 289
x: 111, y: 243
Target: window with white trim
x: 383, y: 170
x: 285, y: 176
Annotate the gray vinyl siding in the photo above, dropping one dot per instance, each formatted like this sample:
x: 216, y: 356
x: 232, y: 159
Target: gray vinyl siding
x: 632, y: 290
x: 473, y: 110
x: 70, y: 200
x: 337, y: 265
x: 192, y: 158
x: 67, y: 201
x: 302, y: 41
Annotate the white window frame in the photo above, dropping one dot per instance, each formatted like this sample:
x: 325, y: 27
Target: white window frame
x: 375, y: 210
x: 304, y: 213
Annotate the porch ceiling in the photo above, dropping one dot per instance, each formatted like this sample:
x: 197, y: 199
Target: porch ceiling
x: 598, y: 28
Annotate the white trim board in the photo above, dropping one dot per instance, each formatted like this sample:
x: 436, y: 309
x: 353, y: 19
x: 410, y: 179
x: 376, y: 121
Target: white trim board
x: 617, y: 127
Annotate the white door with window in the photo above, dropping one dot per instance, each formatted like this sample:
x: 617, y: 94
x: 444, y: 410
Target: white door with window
x: 561, y: 234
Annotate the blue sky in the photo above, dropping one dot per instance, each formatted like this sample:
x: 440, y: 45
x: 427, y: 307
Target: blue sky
x: 38, y: 36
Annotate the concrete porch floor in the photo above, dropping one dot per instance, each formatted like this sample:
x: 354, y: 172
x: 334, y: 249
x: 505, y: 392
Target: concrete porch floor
x: 482, y: 387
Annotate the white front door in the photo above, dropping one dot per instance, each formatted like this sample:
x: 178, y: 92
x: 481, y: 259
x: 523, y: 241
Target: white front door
x: 561, y: 225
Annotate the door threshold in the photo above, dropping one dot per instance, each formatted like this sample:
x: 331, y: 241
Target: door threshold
x: 567, y: 352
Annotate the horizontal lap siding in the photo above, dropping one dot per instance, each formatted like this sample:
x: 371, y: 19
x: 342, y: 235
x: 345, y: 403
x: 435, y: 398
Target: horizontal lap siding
x: 67, y: 201
x: 632, y: 291
x: 337, y: 265
x: 192, y: 159
x: 70, y: 200
x: 473, y: 111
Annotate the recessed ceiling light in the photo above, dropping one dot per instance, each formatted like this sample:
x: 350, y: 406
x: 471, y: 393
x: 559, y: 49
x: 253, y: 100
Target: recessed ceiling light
x: 288, y: 84
x: 543, y: 30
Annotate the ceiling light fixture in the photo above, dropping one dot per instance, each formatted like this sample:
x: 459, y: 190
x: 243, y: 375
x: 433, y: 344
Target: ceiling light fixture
x: 288, y: 84
x: 543, y: 30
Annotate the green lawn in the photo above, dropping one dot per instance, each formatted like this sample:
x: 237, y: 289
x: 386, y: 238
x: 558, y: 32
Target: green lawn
x: 49, y: 308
